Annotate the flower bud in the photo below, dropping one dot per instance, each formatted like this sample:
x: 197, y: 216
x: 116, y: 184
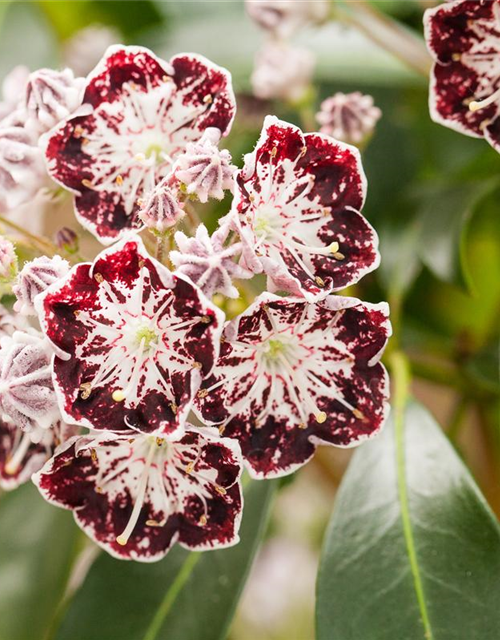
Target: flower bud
x: 13, y: 88
x: 51, y: 96
x: 34, y: 278
x: 282, y: 72
x: 284, y: 17
x: 205, y: 170
x: 161, y: 209
x: 348, y: 117
x: 8, y: 259
x: 84, y: 50
x: 67, y: 240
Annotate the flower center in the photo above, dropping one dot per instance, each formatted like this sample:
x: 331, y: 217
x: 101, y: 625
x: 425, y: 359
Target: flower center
x: 267, y: 221
x: 144, y: 332
x: 274, y: 348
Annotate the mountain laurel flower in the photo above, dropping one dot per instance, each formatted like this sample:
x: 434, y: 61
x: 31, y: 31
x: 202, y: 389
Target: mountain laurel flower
x: 8, y: 259
x: 203, y: 169
x: 13, y: 88
x: 282, y: 72
x: 208, y: 263
x: 22, y: 454
x: 293, y: 374
x: 51, y: 96
x: 22, y: 167
x: 283, y: 18
x: 140, y: 112
x: 296, y: 209
x: 133, y: 341
x: 348, y: 117
x: 137, y: 495
x: 463, y: 37
x: 35, y: 277
x: 27, y: 396
x: 162, y: 208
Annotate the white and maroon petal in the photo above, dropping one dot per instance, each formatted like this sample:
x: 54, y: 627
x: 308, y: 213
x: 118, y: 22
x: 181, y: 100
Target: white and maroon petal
x: 292, y: 375
x: 297, y: 211
x: 133, y: 341
x: 141, y: 113
x: 464, y: 39
x: 137, y: 495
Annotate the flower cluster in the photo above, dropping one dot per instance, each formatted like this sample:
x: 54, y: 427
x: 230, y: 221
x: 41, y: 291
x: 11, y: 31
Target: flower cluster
x: 126, y: 393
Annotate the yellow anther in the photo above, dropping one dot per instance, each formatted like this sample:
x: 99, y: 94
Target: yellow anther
x: 208, y: 99
x: 197, y: 365
x: 122, y: 540
x: 153, y: 523
x: 85, y: 390
x: 159, y: 442
x: 221, y: 430
x: 98, y: 278
x: 87, y: 183
x: 334, y: 247
x: 357, y: 414
x: 206, y: 319
x: 93, y: 455
x: 202, y: 393
x: 339, y: 256
x: 456, y: 56
x: 302, y: 425
x: 203, y: 521
x: 319, y: 281
x: 189, y: 468
x: 274, y: 152
x: 119, y: 180
x: 321, y: 417
x: 118, y: 395
x: 220, y: 490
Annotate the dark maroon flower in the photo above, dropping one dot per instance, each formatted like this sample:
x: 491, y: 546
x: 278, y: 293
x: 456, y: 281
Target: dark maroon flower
x: 133, y: 341
x: 292, y: 375
x: 296, y: 209
x: 140, y: 114
x: 138, y: 495
x: 464, y: 39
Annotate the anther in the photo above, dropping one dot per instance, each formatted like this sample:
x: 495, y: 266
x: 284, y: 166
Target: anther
x: 98, y: 278
x: 202, y: 521
x: 319, y: 281
x: 202, y: 393
x: 93, y: 455
x: 159, y: 442
x: 357, y: 414
x: 206, y: 319
x: 85, y: 390
x: 320, y: 417
x: 119, y: 180
x: 220, y: 490
x: 208, y: 99
x: 118, y: 395
x: 87, y: 183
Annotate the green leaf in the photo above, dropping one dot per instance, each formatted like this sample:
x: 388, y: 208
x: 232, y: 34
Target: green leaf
x: 37, y: 547
x: 187, y: 596
x: 444, y: 217
x: 412, y: 551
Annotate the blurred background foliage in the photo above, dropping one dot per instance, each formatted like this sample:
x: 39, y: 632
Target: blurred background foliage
x: 433, y: 196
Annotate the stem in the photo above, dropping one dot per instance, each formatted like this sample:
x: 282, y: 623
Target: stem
x: 401, y: 381
x: 42, y: 244
x: 192, y: 215
x: 160, y: 247
x: 387, y: 34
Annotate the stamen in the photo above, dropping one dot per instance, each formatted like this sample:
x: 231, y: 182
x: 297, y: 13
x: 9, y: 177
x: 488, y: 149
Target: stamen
x: 15, y: 461
x: 476, y: 105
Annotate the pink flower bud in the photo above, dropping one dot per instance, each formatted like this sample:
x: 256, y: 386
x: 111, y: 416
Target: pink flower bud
x: 67, y: 240
x: 204, y: 169
x: 284, y: 17
x: 348, y: 117
x: 51, y: 96
x: 34, y: 278
x: 162, y: 209
x: 8, y: 259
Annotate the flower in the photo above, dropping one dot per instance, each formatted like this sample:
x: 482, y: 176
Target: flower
x: 140, y: 114
x: 21, y: 457
x: 133, y: 341
x: 27, y: 396
x: 137, y: 495
x: 284, y: 17
x: 162, y: 208
x: 13, y: 87
x: 8, y: 259
x: 205, y: 170
x: 348, y: 117
x: 282, y: 72
x: 464, y: 39
x: 296, y: 208
x: 35, y: 277
x: 51, y: 96
x: 22, y: 167
x: 293, y: 374
x: 208, y: 263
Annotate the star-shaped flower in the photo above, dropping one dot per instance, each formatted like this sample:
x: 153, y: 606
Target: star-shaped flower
x: 138, y: 495
x: 293, y: 374
x: 140, y: 114
x: 34, y: 278
x: 133, y: 341
x: 348, y: 117
x: 209, y: 263
x: 296, y: 209
x: 464, y: 39
x: 22, y: 454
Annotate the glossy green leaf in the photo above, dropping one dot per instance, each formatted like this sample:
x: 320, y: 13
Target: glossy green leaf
x: 412, y: 551
x: 187, y: 596
x: 444, y: 217
x: 37, y: 547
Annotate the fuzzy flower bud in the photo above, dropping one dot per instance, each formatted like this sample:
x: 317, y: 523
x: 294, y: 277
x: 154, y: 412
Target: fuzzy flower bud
x: 34, y: 278
x: 22, y: 168
x: 205, y: 170
x: 161, y: 209
x: 348, y: 117
x: 8, y: 259
x: 27, y: 396
x: 208, y: 262
x: 67, y: 240
x: 13, y: 88
x: 51, y: 96
x: 282, y: 72
x: 284, y: 17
